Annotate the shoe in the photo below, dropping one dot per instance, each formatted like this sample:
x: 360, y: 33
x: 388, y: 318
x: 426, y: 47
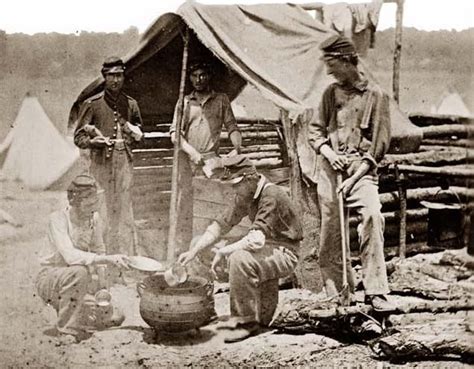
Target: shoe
x: 242, y: 332
x: 379, y: 303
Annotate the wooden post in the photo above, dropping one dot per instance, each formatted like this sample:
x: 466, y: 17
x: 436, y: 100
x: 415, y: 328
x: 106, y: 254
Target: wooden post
x: 291, y: 135
x: 398, y: 51
x: 175, y: 240
x: 402, y: 194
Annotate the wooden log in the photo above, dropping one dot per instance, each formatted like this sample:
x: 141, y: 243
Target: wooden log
x: 458, y: 130
x: 393, y: 216
x: 423, y: 119
x: 414, y: 248
x: 251, y: 148
x: 453, y: 155
x: 296, y: 311
x: 392, y: 231
x: 449, y: 142
x: 425, y: 194
x: 415, y: 346
x: 451, y: 171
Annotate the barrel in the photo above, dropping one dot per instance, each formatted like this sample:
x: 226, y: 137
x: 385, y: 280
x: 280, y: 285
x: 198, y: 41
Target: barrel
x: 175, y: 309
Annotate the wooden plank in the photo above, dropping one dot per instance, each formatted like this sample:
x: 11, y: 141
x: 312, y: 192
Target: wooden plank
x: 212, y: 191
x: 146, y: 189
x: 153, y: 162
x: 155, y: 202
x: 152, y: 153
x: 152, y: 171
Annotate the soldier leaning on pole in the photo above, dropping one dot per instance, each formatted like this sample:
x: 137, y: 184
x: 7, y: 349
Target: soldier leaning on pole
x: 351, y: 134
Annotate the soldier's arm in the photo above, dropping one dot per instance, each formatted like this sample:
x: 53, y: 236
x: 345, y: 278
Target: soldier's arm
x: 81, y: 137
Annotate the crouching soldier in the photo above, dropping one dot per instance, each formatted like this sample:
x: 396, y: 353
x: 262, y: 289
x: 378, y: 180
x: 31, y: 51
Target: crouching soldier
x: 75, y: 252
x: 255, y: 262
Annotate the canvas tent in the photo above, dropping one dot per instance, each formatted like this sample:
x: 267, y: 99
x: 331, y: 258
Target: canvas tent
x: 452, y: 104
x: 272, y: 47
x: 36, y: 153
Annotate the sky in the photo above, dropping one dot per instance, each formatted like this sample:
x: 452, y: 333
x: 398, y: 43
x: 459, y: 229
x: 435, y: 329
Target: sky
x: 34, y: 16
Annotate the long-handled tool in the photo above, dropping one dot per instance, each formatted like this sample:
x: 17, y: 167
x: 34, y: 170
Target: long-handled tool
x: 345, y: 293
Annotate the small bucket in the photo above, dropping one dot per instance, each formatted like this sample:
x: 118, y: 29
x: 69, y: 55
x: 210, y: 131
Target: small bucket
x: 176, y: 275
x: 445, y: 220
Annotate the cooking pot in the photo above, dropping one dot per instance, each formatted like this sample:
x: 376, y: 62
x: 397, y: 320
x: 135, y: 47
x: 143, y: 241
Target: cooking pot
x: 189, y: 305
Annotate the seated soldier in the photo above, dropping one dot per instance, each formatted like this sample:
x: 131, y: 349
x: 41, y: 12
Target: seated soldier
x: 75, y: 250
x: 255, y: 262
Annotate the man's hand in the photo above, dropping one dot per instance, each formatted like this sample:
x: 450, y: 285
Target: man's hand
x: 119, y: 260
x: 100, y: 141
x: 173, y: 137
x: 338, y: 162
x: 186, y: 257
x: 347, y: 186
x: 195, y: 157
x: 216, y: 261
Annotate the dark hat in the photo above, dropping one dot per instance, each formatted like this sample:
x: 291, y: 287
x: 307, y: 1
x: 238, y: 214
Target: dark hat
x: 235, y: 168
x: 337, y: 46
x: 81, y: 187
x: 199, y: 64
x: 113, y: 64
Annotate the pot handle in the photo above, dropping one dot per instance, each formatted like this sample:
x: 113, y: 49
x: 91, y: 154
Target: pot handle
x: 141, y: 286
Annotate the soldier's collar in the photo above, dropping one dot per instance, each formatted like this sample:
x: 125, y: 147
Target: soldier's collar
x: 361, y: 85
x: 260, y: 186
x: 192, y: 96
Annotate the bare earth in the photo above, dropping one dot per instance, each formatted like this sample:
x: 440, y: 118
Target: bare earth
x: 25, y: 320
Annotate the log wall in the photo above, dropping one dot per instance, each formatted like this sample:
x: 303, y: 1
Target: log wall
x: 153, y: 160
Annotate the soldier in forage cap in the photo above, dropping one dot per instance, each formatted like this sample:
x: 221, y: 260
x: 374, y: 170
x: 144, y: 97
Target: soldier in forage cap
x: 74, y: 253
x: 109, y: 125
x: 268, y: 251
x: 351, y: 134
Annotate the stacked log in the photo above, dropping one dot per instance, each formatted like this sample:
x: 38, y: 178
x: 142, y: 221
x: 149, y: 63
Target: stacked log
x: 444, y: 159
x: 153, y: 160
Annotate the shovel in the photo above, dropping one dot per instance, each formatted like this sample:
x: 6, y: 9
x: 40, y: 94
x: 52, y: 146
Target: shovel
x: 344, y: 294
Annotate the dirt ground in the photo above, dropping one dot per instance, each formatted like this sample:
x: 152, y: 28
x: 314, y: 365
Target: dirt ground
x: 25, y: 320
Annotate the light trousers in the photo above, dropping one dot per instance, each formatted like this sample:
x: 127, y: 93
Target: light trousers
x: 364, y: 200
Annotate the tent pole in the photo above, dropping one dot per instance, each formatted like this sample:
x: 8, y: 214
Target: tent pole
x: 398, y: 51
x: 178, y: 168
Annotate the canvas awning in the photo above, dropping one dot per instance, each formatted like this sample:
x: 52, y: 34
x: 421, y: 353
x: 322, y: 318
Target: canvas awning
x: 272, y: 47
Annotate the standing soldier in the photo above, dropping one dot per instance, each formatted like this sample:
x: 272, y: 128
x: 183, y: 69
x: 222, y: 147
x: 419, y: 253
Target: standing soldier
x: 352, y: 134
x: 109, y: 125
x: 205, y: 112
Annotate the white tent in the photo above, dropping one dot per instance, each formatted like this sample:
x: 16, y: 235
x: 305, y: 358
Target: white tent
x: 36, y: 153
x: 452, y: 104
